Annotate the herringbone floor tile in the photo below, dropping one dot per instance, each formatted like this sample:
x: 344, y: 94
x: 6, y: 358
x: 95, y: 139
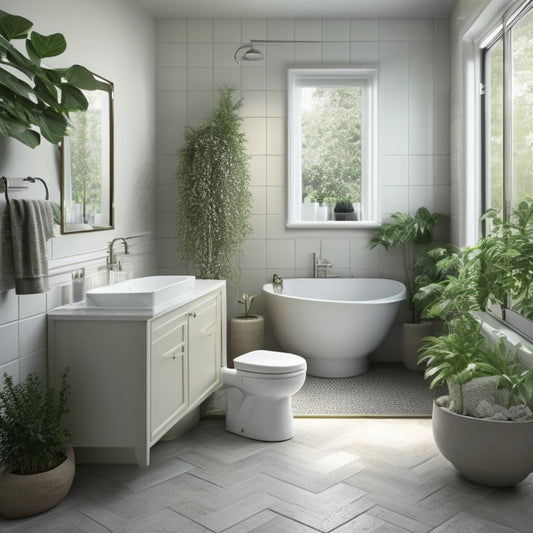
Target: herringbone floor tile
x: 336, y: 475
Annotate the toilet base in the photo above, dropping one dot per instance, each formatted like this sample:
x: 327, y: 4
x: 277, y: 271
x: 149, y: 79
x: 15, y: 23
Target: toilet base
x: 259, y: 418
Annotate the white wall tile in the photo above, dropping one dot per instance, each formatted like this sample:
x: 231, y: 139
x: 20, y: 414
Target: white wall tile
x: 32, y: 334
x: 276, y: 136
x: 9, y: 340
x: 280, y: 29
x: 393, y: 67
x: 12, y: 369
x: 200, y: 55
x: 280, y: 253
x: 421, y: 170
x: 200, y: 105
x: 276, y: 170
x: 253, y: 77
x: 259, y: 200
x: 253, y: 254
x: 421, y: 123
x: 227, y: 76
x: 441, y: 104
x: 335, y: 30
x: 254, y: 29
x: 223, y: 54
x: 421, y: 59
x: 308, y: 53
x: 394, y: 199
x: 172, y: 105
x: 394, y: 170
x: 227, y: 30
x: 259, y: 226
x: 308, y: 29
x: 336, y: 52
x: 169, y: 136
x: 361, y: 256
x: 172, y: 79
x: 337, y: 251
x: 254, y: 104
x: 276, y: 103
x: 421, y: 196
x: 32, y: 304
x: 200, y: 30
x: 9, y: 306
x: 172, y: 55
x: 304, y: 249
x: 276, y: 200
x: 393, y: 122
x: 421, y: 30
x: 393, y: 30
x: 255, y: 131
x: 442, y: 170
x: 364, y: 30
x: 166, y: 168
x: 364, y: 53
x: 171, y: 30
x: 258, y: 169
x: 34, y: 362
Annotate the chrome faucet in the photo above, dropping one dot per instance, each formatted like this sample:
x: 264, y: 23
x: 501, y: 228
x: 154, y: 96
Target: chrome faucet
x: 320, y: 267
x: 112, y: 263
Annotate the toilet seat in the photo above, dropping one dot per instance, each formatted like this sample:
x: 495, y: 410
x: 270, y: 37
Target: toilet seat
x: 267, y: 362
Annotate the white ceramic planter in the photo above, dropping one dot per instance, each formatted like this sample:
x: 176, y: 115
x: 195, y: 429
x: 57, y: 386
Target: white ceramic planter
x: 488, y: 452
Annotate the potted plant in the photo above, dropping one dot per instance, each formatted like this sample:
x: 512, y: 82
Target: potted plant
x: 409, y: 232
x: 344, y: 210
x: 490, y: 389
x: 36, y: 458
x: 214, y: 200
x: 36, y: 98
x: 246, y: 331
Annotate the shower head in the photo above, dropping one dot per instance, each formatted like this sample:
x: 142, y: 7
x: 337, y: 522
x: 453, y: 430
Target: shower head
x: 252, y: 54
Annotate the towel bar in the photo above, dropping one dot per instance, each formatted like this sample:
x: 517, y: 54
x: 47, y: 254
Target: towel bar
x: 29, y: 179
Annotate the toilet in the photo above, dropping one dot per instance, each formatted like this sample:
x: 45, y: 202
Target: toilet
x: 258, y: 394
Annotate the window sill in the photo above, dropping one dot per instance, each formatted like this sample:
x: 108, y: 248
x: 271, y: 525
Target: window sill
x: 335, y: 224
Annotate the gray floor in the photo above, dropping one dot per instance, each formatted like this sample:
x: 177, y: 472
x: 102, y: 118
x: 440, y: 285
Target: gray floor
x: 337, y: 474
x: 387, y: 389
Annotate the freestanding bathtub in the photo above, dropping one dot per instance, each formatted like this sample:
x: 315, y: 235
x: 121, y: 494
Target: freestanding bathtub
x: 334, y: 323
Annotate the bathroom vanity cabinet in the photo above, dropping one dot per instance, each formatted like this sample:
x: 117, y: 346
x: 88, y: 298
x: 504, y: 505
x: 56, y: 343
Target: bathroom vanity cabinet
x: 135, y: 375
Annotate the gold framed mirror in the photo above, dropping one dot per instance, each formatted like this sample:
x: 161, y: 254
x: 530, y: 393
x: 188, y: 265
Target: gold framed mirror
x: 87, y: 185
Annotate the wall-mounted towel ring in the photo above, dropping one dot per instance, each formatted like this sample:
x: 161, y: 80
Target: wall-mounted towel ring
x: 7, y: 182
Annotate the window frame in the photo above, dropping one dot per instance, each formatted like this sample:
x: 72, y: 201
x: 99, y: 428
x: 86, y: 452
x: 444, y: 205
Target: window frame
x: 364, y: 77
x: 502, y: 31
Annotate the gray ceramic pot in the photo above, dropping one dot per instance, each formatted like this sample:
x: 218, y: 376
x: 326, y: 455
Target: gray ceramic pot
x: 488, y: 452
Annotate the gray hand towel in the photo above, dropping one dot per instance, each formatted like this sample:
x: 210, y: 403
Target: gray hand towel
x: 32, y: 224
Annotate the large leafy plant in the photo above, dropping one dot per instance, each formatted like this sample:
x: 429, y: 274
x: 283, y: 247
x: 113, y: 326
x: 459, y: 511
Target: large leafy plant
x: 32, y: 437
x: 214, y: 200
x: 405, y: 231
x: 36, y: 100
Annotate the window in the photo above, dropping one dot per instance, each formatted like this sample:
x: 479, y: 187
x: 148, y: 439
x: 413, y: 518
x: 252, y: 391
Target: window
x: 331, y: 147
x: 507, y: 78
x: 508, y: 73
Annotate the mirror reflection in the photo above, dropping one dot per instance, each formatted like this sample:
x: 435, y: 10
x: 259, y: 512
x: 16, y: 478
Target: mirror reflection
x: 87, y: 165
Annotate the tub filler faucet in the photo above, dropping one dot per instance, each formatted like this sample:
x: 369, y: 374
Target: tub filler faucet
x: 320, y: 269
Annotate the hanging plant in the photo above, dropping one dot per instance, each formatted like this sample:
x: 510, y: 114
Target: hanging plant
x: 214, y: 200
x: 36, y: 100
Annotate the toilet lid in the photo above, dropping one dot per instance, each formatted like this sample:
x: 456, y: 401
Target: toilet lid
x: 267, y: 362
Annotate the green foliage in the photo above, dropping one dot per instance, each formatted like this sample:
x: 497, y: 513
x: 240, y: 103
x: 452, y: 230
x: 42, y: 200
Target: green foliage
x: 331, y: 145
x: 32, y: 438
x: 33, y: 97
x: 451, y: 356
x: 214, y: 201
x: 247, y: 301
x: 502, y: 361
x: 404, y: 231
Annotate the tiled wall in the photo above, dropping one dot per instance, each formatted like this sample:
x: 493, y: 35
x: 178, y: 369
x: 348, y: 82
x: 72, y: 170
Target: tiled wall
x: 195, y: 57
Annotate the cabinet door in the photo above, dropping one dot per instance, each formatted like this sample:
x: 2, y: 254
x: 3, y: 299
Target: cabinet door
x: 168, y: 377
x: 205, y: 348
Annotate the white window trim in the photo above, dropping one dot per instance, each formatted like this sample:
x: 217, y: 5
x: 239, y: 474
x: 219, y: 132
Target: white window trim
x: 358, y: 76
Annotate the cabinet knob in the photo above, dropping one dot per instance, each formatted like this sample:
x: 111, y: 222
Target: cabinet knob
x: 192, y: 314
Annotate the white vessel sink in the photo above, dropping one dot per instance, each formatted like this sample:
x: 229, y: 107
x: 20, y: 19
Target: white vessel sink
x: 140, y: 293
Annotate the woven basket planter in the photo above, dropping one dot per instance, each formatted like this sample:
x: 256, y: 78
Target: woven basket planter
x: 22, y: 496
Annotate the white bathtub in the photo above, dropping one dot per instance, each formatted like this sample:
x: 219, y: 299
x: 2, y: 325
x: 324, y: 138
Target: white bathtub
x: 334, y: 323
